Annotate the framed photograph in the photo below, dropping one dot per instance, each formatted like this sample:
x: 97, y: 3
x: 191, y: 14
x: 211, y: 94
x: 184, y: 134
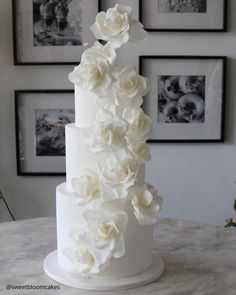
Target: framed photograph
x: 52, y: 31
x: 186, y: 98
x: 41, y: 116
x: 183, y: 15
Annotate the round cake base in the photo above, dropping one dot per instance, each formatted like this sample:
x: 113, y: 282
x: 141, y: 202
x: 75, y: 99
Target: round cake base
x: 53, y: 270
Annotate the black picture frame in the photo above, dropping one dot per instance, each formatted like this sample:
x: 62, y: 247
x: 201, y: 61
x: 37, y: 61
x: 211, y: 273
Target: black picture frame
x: 16, y: 47
x: 221, y: 107
x: 194, y: 30
x: 20, y: 113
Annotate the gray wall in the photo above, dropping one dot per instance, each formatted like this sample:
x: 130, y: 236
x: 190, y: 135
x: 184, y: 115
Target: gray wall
x: 196, y: 180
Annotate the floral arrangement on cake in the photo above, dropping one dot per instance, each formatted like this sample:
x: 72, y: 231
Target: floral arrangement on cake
x: 118, y: 138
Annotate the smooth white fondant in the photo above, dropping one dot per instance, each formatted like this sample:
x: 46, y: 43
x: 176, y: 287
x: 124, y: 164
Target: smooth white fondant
x: 54, y: 271
x: 86, y: 107
x: 138, y: 239
x: 78, y: 155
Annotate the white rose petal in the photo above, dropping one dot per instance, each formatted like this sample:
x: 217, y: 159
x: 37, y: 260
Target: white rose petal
x: 139, y: 125
x: 83, y: 261
x: 137, y: 32
x: 103, y: 51
x: 141, y: 152
x: 117, y: 26
x: 94, y: 245
x: 86, y: 187
x: 106, y: 231
x: 146, y: 204
x: 129, y: 88
x: 85, y: 258
x: 107, y: 133
x: 118, y: 175
x: 93, y: 74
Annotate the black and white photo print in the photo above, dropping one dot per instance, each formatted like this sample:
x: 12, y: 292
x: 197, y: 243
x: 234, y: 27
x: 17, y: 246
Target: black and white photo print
x: 52, y: 32
x: 181, y: 99
x: 50, y: 131
x: 41, y: 116
x: 182, y: 6
x: 183, y: 15
x: 186, y: 100
x: 54, y: 22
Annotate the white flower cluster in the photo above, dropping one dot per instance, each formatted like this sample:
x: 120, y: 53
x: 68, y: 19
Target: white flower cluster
x: 117, y: 26
x: 102, y: 239
x: 118, y: 137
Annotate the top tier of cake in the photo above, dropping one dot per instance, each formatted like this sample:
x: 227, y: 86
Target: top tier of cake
x: 86, y: 107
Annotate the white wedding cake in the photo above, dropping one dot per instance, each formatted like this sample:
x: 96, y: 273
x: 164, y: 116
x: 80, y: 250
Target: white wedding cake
x: 105, y: 210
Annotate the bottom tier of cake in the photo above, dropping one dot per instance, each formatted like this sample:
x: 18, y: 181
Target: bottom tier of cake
x: 138, y: 239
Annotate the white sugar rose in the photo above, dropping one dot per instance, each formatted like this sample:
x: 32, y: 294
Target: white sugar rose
x: 106, y: 231
x: 146, y: 204
x: 107, y: 134
x: 119, y: 175
x: 139, y: 125
x: 85, y: 258
x: 86, y: 187
x: 117, y: 26
x: 103, y: 51
x: 84, y: 262
x: 93, y: 74
x: 129, y: 88
x: 141, y: 152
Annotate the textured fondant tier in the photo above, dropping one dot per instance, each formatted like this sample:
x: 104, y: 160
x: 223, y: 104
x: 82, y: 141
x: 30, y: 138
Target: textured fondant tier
x: 86, y: 107
x: 138, y: 239
x: 79, y: 157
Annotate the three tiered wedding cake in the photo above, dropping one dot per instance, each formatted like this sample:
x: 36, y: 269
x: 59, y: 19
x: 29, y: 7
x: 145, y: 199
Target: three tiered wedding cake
x: 105, y: 210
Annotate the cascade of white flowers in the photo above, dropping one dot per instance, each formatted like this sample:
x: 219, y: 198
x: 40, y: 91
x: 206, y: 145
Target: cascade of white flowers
x: 118, y: 138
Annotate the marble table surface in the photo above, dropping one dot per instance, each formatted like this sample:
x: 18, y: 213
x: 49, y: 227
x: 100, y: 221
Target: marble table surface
x: 199, y: 259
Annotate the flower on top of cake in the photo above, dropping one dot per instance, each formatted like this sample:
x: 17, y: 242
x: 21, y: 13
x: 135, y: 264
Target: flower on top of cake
x: 106, y: 231
x: 97, y: 73
x: 107, y: 133
x: 117, y: 176
x: 146, y: 203
x: 141, y: 152
x: 84, y: 262
x: 86, y: 187
x: 104, y: 51
x: 117, y: 27
x: 129, y: 87
x: 81, y: 254
x: 102, y: 239
x: 139, y: 125
x: 93, y: 73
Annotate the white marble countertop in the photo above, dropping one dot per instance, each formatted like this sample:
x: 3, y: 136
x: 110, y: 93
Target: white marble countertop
x: 199, y: 259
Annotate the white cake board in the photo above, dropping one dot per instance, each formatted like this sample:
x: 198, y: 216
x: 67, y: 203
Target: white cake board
x: 53, y: 270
